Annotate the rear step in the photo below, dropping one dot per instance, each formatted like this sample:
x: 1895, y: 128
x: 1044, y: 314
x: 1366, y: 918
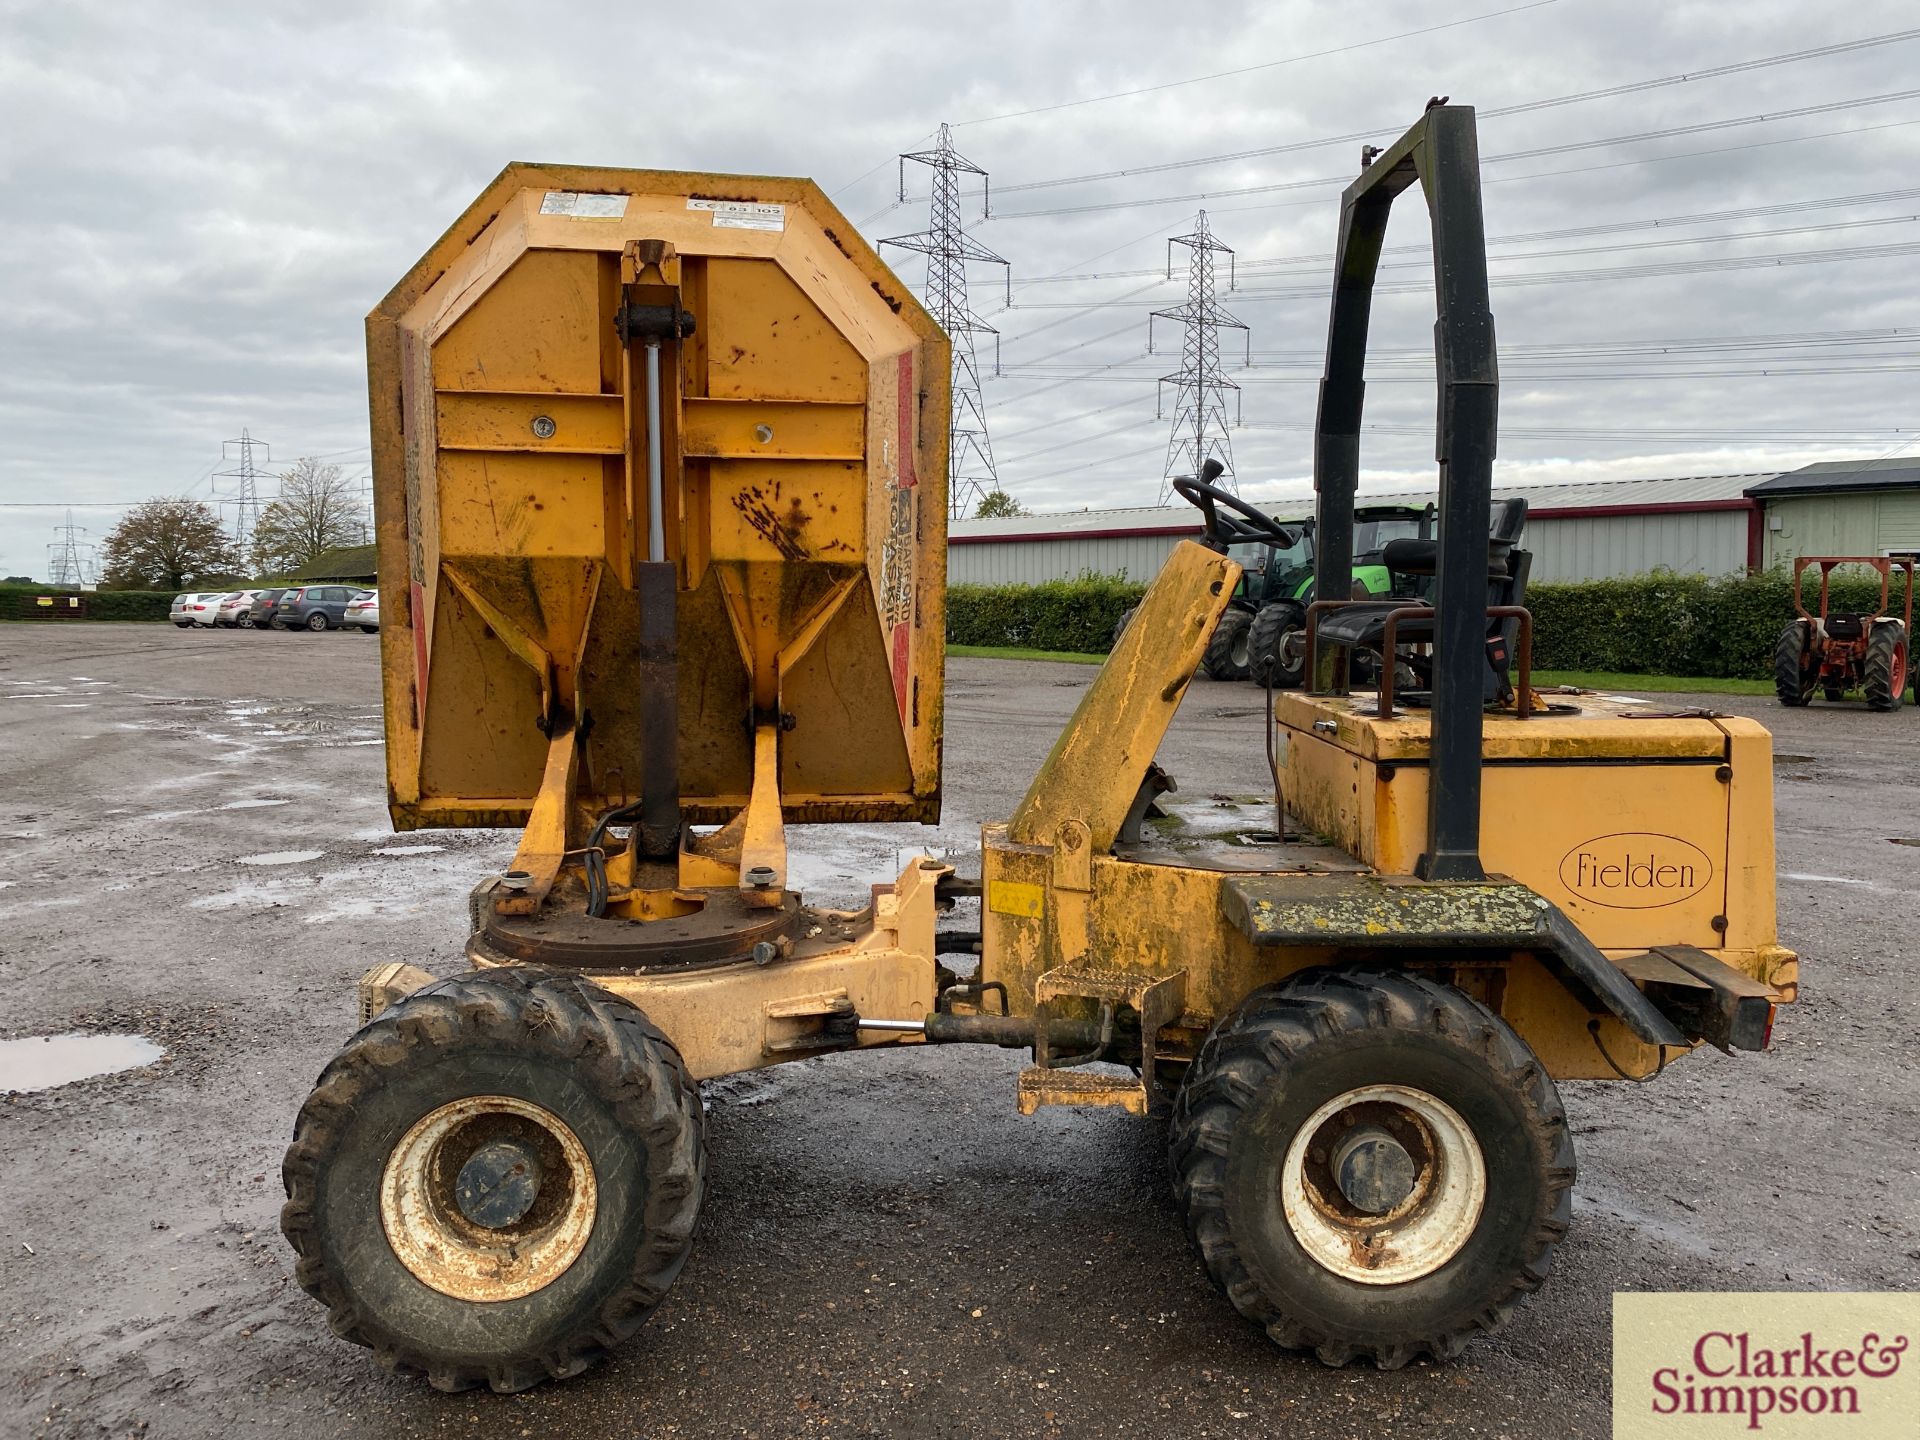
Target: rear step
x: 1158, y: 999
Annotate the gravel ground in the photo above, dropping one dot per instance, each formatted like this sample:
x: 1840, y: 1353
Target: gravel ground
x: 197, y: 851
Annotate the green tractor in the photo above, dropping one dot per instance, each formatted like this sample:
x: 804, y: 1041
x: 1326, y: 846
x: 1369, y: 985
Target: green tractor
x: 1260, y: 636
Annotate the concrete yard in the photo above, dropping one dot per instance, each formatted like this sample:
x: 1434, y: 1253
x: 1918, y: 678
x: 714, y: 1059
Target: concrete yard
x: 197, y: 852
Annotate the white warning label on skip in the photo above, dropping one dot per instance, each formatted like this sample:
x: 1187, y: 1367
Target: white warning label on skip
x: 743, y: 214
x: 583, y: 206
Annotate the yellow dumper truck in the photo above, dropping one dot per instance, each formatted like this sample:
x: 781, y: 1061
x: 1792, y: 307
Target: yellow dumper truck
x: 660, y: 470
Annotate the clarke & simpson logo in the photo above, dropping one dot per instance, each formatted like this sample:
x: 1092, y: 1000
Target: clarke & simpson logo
x: 1779, y: 1364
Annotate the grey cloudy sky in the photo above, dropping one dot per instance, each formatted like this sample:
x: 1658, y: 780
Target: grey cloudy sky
x: 203, y: 200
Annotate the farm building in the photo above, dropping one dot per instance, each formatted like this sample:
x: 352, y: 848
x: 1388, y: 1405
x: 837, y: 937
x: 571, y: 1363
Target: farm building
x: 1842, y: 507
x: 1701, y: 524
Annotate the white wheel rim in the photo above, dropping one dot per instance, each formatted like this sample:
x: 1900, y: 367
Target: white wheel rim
x: 446, y: 1251
x: 1420, y: 1234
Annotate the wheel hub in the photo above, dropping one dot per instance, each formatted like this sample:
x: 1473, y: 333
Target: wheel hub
x: 1383, y: 1184
x: 498, y: 1184
x: 1373, y: 1170
x: 489, y: 1197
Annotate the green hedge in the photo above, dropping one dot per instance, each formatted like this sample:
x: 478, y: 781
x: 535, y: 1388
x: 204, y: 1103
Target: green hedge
x: 22, y: 602
x: 1665, y: 624
x: 1659, y: 624
x: 1076, y: 615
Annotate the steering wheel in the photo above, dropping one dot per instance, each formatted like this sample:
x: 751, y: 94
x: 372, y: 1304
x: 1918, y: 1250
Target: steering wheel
x: 1247, y: 525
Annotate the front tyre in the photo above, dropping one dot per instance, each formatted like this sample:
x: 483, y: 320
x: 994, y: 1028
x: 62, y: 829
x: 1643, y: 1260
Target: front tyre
x: 1372, y: 1165
x: 496, y: 1180
x: 1226, y: 656
x: 1277, y: 646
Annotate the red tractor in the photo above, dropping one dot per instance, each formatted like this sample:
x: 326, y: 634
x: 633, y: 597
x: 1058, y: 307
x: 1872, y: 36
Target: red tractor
x: 1838, y: 653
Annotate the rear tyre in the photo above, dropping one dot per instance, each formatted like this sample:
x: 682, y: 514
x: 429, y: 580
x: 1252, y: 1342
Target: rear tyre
x: 183, y: 624
x: 1372, y: 1165
x: 1226, y: 657
x: 1792, y: 677
x: 245, y: 622
x: 1277, y: 646
x: 1120, y: 625
x: 496, y: 1180
x: 317, y: 621
x: 1886, y: 667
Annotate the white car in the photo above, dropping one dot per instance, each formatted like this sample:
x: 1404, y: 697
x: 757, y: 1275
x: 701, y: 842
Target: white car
x: 235, y: 610
x: 197, y: 607
x: 363, y: 610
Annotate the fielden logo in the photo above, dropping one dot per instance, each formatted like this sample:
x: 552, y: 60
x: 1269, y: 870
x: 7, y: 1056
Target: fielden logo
x: 1783, y: 1364
x: 1634, y: 870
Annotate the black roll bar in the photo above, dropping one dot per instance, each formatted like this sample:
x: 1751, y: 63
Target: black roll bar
x: 1442, y: 153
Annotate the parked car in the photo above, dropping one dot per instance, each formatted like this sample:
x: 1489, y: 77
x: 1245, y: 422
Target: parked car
x: 315, y: 607
x: 181, y: 611
x: 236, y: 611
x: 202, y: 608
x: 266, y: 609
x: 364, y: 610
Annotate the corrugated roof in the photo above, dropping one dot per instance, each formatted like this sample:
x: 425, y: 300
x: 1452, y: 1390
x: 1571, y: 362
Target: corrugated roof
x: 1683, y: 490
x: 1831, y: 476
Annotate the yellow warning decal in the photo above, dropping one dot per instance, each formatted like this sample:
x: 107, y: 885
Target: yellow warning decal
x: 1015, y: 897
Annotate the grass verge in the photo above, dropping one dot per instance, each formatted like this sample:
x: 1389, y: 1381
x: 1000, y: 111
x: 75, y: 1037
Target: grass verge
x: 1652, y: 684
x: 1585, y: 679
x: 1015, y: 652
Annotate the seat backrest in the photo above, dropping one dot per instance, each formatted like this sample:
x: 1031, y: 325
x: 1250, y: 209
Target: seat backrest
x: 1509, y: 520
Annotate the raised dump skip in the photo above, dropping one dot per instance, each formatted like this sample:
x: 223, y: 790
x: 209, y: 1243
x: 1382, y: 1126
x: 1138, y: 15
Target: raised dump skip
x: 802, y: 436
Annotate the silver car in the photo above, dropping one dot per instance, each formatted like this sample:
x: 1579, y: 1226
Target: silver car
x: 363, y: 610
x: 196, y: 607
x: 236, y: 611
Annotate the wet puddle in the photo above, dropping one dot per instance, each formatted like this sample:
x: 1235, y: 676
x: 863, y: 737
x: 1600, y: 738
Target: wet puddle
x: 281, y: 857
x: 41, y: 1062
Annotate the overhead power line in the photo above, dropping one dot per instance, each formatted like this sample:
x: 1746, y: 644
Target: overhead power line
x: 1324, y: 181
x: 1523, y: 108
x: 1573, y: 232
x: 1251, y: 69
x: 1551, y: 277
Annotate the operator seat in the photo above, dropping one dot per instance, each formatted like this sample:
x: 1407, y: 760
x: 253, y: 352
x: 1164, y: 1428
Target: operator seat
x: 1362, y: 626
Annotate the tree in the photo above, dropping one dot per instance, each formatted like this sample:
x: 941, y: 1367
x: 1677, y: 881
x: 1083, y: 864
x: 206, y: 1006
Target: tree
x: 168, y: 544
x: 998, y: 505
x: 316, y: 511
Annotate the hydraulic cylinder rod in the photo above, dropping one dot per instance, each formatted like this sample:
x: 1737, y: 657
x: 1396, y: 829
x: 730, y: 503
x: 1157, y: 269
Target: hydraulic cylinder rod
x: 1010, y: 1032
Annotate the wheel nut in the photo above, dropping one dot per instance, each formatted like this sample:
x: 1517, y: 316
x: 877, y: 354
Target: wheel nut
x: 760, y: 876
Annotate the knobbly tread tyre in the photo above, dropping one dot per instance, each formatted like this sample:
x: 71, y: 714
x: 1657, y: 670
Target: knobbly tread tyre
x: 1887, y: 653
x: 1218, y: 661
x: 1275, y: 1037
x: 1269, y: 628
x: 1792, y: 682
x: 1120, y: 625
x: 606, y: 1046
